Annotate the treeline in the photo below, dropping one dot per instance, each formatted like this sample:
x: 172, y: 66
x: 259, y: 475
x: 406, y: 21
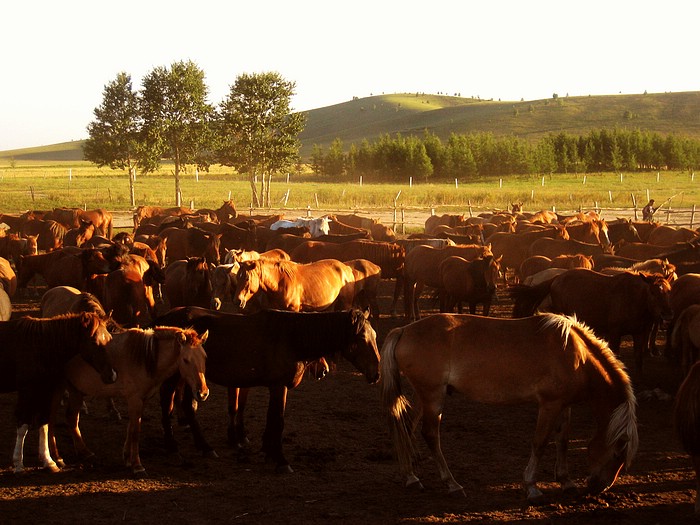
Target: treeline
x: 483, y: 154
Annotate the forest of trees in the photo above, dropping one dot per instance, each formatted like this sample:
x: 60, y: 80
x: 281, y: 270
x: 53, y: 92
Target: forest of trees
x: 483, y: 154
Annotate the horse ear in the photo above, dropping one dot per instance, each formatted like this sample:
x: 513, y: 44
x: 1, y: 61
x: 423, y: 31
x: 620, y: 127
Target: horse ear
x: 182, y: 337
x: 204, y: 336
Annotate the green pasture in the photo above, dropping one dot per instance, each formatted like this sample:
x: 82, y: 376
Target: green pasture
x: 37, y: 185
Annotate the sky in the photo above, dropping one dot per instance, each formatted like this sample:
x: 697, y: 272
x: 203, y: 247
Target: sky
x: 57, y: 56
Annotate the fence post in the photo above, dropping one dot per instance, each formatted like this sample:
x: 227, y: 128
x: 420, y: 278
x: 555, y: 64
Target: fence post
x: 403, y: 221
x: 692, y: 216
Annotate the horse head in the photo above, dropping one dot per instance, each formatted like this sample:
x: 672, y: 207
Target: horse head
x: 93, y: 346
x: 191, y: 361
x: 248, y: 278
x: 362, y: 351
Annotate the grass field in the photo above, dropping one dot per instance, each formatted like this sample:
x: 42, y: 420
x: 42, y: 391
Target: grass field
x: 37, y: 185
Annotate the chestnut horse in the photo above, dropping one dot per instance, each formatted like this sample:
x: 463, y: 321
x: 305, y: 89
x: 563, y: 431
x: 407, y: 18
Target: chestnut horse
x: 287, y: 285
x: 686, y: 418
x: 270, y: 348
x: 33, y: 353
x: 143, y: 359
x: 548, y: 359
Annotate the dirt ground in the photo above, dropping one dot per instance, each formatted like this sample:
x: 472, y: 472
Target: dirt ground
x: 338, y: 444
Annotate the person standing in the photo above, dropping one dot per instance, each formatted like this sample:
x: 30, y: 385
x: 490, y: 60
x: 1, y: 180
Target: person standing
x: 648, y: 211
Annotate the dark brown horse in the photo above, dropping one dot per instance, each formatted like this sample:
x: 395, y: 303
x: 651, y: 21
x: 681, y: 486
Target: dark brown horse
x: 188, y: 283
x: 550, y: 360
x: 191, y: 242
x: 80, y: 235
x: 686, y: 418
x: 33, y: 353
x: 612, y: 305
x: 243, y: 351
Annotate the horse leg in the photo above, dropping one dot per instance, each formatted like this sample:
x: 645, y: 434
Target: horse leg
x: 53, y: 447
x: 432, y: 414
x: 641, y: 347
x: 44, y: 454
x: 189, y: 412
x: 274, y: 426
x: 696, y: 468
x: 397, y: 292
x: 237, y: 398
x: 131, y: 445
x: 167, y: 399
x: 547, y: 418
x: 18, y: 454
x: 75, y: 401
x: 561, y: 439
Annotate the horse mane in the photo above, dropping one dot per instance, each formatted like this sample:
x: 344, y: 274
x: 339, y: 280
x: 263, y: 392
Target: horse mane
x: 288, y: 268
x: 144, y: 348
x: 623, y: 421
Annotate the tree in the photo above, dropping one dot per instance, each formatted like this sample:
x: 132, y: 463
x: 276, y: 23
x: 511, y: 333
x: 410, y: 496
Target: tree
x: 177, y: 119
x: 114, y: 134
x: 258, y: 132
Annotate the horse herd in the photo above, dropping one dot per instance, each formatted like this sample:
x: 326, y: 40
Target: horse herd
x: 242, y: 301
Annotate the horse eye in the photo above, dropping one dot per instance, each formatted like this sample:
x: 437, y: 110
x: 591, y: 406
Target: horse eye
x: 186, y: 360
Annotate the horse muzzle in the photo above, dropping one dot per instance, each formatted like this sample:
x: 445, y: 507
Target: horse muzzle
x: 109, y: 377
x: 201, y: 395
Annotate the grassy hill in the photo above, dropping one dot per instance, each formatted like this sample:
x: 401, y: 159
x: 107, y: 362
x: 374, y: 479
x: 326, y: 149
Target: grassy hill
x: 411, y: 113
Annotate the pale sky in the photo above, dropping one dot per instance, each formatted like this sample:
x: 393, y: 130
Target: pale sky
x: 57, y: 56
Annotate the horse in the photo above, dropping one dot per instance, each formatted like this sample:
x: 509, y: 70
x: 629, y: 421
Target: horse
x: 612, y: 305
x: 188, y: 283
x: 514, y: 246
x: 367, y: 276
x: 669, y: 235
x: 287, y: 285
x: 77, y: 269
x: 243, y: 351
x: 8, y: 277
x: 147, y: 212
x: 421, y: 270
x: 224, y: 213
x: 473, y: 282
x: 554, y: 247
x: 685, y: 292
x: 67, y: 299
x: 537, y: 263
x: 592, y: 232
x: 126, y: 295
x: 316, y: 227
x: 80, y: 235
x: 685, y: 336
x: 549, y: 359
x: 448, y: 219
x: 33, y: 353
x: 622, y: 229
x: 143, y: 359
x: 5, y: 306
x: 686, y: 420
x: 12, y: 246
x: 378, y: 231
x: 191, y: 242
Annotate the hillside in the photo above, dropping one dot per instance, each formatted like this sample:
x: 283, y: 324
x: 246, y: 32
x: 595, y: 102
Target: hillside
x: 411, y: 113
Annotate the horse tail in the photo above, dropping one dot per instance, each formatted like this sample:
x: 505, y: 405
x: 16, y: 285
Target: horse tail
x: 686, y: 412
x: 109, y: 227
x: 395, y: 404
x: 623, y: 420
x: 528, y: 298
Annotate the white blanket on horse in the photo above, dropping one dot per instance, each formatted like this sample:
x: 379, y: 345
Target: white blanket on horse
x: 316, y: 227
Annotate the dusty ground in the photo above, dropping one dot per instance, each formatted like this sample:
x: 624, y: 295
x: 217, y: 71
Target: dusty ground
x: 344, y: 472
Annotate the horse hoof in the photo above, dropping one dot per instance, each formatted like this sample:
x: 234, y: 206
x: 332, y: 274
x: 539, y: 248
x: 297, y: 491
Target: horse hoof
x: 284, y: 469
x: 211, y: 454
x: 457, y: 493
x: 139, y: 473
x: 415, y: 486
x: 52, y: 468
x: 60, y: 463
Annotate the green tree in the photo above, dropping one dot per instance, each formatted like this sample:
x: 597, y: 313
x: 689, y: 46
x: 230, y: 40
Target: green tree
x: 334, y: 163
x: 258, y: 132
x: 114, y: 134
x: 176, y: 119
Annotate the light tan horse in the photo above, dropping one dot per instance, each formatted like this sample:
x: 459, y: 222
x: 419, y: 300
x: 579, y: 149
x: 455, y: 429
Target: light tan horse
x: 143, y: 359
x: 287, y: 285
x: 549, y: 359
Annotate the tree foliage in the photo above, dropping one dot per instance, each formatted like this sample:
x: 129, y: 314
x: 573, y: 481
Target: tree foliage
x: 484, y: 154
x: 258, y: 132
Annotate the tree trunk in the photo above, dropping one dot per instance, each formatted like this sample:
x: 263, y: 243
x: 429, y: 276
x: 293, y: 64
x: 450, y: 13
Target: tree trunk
x: 178, y: 191
x: 132, y: 179
x: 254, y: 191
x: 267, y: 190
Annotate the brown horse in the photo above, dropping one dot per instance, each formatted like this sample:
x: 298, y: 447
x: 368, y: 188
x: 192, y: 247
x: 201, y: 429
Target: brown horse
x: 188, y: 283
x: 548, y: 359
x: 421, y: 267
x: 271, y: 348
x: 126, y: 295
x: 80, y: 235
x: 592, y: 232
x: 368, y: 276
x: 8, y: 278
x: 669, y: 235
x: 146, y: 212
x: 76, y: 270
x: 538, y: 263
x: 191, y: 242
x: 287, y: 285
x: 554, y: 247
x: 686, y: 419
x: 612, y: 305
x: 685, y: 292
x: 66, y: 299
x: 143, y: 359
x: 685, y: 336
x: 473, y: 282
x: 33, y: 353
x: 513, y: 247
